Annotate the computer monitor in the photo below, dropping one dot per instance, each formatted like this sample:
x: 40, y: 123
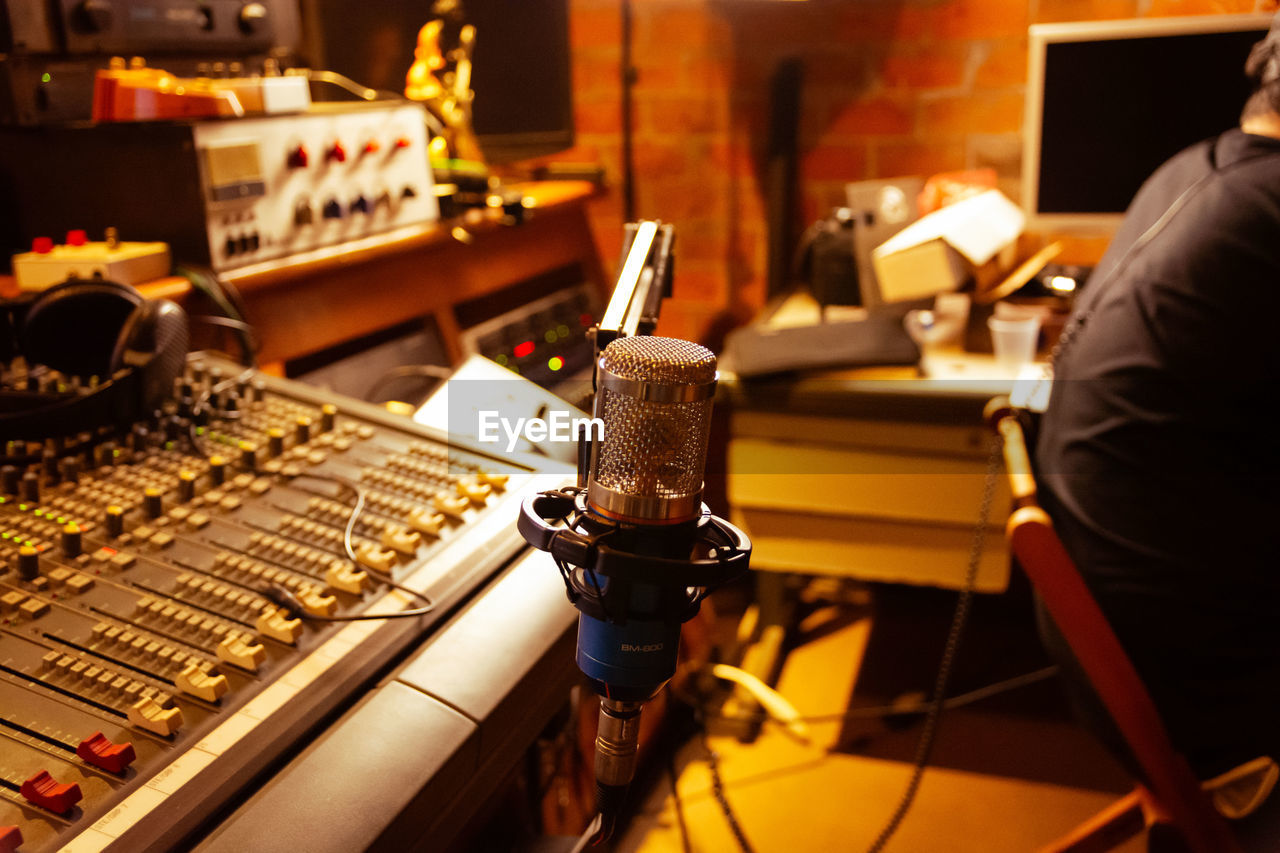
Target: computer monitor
x: 1109, y: 101
x: 523, y: 103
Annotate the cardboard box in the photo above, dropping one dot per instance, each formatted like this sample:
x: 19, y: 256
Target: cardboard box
x: 971, y: 239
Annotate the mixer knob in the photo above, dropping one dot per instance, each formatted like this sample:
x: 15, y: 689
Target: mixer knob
x: 186, y: 486
x: 277, y: 625
x: 275, y: 441
x: 360, y: 205
x: 240, y: 652
x: 331, y: 209
x: 69, y: 468
x: 201, y: 685
x: 426, y: 521
x: 114, y: 520
x: 48, y: 793
x: 105, y: 454
x: 397, y: 538
x: 497, y: 481
x: 378, y: 559
x: 319, y: 604
x: 453, y: 507
x: 9, y: 479
x: 71, y: 544
x: 298, y: 157
x: 30, y: 488
x: 328, y: 412
x: 337, y: 152
x: 302, y: 214
x: 148, y: 714
x: 302, y: 430
x: 10, y: 839
x: 153, y: 501
x: 28, y: 563
x: 99, y: 751
x: 346, y: 578
x: 217, y: 470
x: 49, y: 462
x: 477, y: 493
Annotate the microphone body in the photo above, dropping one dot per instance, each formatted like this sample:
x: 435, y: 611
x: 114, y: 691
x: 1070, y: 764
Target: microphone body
x: 640, y: 551
x: 644, y: 492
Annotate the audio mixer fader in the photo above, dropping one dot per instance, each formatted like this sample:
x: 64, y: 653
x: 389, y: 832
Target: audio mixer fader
x: 179, y: 604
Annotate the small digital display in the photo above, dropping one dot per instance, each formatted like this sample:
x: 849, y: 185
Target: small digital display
x: 234, y: 171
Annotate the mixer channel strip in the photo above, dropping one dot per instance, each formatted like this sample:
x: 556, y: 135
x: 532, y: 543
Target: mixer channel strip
x: 150, y: 662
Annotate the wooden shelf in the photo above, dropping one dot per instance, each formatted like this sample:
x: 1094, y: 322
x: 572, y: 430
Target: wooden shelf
x: 328, y: 298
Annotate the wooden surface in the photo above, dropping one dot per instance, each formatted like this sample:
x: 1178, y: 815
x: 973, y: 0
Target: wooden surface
x: 335, y: 296
x: 791, y: 796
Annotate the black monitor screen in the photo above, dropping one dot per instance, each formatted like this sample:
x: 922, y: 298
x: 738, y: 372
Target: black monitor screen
x: 1115, y: 109
x: 521, y: 76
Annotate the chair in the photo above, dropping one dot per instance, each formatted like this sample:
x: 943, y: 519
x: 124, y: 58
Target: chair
x: 1171, y: 797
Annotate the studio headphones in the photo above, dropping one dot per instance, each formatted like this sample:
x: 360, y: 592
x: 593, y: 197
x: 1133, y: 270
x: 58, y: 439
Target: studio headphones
x: 124, y: 349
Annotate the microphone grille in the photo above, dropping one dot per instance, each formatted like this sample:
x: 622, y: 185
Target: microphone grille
x: 668, y: 361
x: 651, y: 461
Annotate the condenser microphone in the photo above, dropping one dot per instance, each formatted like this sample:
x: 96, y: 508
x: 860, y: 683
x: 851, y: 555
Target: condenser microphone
x: 638, y: 550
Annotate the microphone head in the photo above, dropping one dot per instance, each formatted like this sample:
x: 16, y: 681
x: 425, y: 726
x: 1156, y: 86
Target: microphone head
x: 654, y: 396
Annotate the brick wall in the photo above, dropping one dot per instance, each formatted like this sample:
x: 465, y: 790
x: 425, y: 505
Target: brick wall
x: 891, y: 88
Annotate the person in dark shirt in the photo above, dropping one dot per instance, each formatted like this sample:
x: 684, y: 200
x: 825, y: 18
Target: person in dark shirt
x: 1158, y: 456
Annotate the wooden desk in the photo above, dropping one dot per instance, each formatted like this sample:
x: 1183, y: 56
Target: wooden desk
x: 874, y: 478
x: 299, y: 308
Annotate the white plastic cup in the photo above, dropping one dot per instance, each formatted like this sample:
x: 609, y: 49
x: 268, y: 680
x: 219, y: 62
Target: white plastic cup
x: 1014, y: 340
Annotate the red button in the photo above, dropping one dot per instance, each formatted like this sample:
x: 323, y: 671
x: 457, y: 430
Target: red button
x: 42, y: 245
x: 10, y: 839
x: 77, y: 237
x: 100, y: 752
x: 297, y: 158
x: 337, y: 152
x: 371, y: 147
x: 47, y: 792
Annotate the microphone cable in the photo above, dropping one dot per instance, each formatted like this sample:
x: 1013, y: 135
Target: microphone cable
x: 283, y: 597
x: 286, y: 599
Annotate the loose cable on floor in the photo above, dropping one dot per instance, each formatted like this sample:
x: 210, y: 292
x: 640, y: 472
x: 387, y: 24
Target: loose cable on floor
x: 925, y: 746
x: 950, y: 703
x: 717, y: 787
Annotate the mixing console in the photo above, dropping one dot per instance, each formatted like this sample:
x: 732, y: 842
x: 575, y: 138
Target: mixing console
x: 181, y: 605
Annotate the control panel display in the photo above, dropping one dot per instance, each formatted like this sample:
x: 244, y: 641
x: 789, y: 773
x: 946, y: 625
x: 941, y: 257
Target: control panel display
x: 285, y: 185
